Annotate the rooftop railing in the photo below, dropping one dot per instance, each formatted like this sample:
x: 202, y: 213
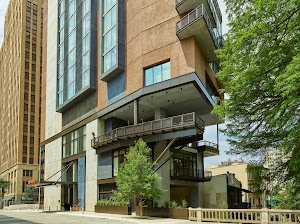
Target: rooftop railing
x: 193, y: 16
x: 147, y: 128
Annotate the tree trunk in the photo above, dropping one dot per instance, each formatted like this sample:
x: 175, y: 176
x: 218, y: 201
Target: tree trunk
x: 141, y: 206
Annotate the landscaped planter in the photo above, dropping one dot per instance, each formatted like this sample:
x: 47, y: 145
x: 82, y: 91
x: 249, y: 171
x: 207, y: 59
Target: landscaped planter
x: 121, y: 210
x: 154, y: 212
x: 174, y: 213
x: 179, y: 213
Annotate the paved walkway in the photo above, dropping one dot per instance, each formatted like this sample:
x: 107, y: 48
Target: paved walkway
x: 32, y: 217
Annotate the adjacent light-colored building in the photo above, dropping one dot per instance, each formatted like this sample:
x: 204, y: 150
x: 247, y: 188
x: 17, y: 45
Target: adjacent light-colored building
x: 223, y: 191
x: 20, y: 72
x: 117, y: 71
x: 240, y: 170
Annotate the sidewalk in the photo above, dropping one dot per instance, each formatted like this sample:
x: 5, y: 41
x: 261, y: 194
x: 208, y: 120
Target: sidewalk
x: 132, y: 219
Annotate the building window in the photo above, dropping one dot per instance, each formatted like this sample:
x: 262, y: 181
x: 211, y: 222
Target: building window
x: 24, y: 149
x: 34, y: 27
x: 184, y: 163
x: 86, y: 44
x: 109, y: 34
x: 35, y: 6
x: 25, y: 96
x: 86, y: 61
x: 32, y: 98
x: 31, y: 129
x: 61, y: 7
x: 30, y: 160
x: 72, y: 7
x: 157, y: 74
x: 27, y: 173
x: 72, y: 41
x: 85, y: 7
x: 62, y: 21
x: 28, y: 4
x: 71, y: 81
x: 31, y: 150
x: 86, y: 25
x: 25, y: 117
x: 27, y: 65
x: 28, y: 24
x: 27, y: 44
x: 74, y: 142
x: 210, y: 88
x: 33, y: 47
x: 31, y: 140
x: 24, y: 138
x: 72, y: 58
x: 105, y: 190
x: 72, y: 23
x: 86, y: 78
x: 25, y: 107
x: 26, y: 75
x: 24, y: 160
x: 119, y: 157
x: 25, y: 127
x: 34, y: 57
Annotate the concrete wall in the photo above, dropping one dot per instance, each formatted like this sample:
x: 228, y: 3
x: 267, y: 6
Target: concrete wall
x: 240, y: 171
x: 91, y: 193
x: 215, y: 192
x: 53, y: 120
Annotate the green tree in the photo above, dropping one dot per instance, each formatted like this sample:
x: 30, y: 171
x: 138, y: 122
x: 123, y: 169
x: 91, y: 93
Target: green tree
x: 287, y: 196
x: 31, y: 192
x: 260, y: 72
x: 4, y: 184
x: 136, y: 177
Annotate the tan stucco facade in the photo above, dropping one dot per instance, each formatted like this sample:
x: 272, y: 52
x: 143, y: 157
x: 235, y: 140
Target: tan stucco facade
x: 20, y: 71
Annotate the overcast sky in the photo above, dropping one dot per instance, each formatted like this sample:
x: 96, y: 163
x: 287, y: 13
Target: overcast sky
x: 210, y: 132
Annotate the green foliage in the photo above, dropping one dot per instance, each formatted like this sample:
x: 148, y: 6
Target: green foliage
x: 155, y: 204
x: 287, y: 197
x: 31, y: 192
x: 4, y: 184
x: 174, y: 204
x: 224, y: 205
x: 166, y: 204
x: 110, y: 202
x: 136, y: 176
x: 184, y: 204
x: 260, y: 72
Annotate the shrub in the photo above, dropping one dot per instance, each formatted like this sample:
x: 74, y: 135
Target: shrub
x: 155, y: 204
x: 174, y: 204
x: 184, y: 204
x: 110, y: 202
x: 166, y: 204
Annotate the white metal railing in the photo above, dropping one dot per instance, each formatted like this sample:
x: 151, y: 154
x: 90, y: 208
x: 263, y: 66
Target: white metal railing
x: 194, y: 15
x: 263, y: 216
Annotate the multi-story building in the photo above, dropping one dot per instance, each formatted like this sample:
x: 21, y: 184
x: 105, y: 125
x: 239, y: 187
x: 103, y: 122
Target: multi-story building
x: 242, y: 173
x: 20, y: 71
x: 122, y: 70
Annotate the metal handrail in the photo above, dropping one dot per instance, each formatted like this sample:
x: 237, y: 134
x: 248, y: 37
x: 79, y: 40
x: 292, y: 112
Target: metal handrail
x: 151, y: 126
x: 190, y: 172
x: 207, y: 143
x: 193, y: 16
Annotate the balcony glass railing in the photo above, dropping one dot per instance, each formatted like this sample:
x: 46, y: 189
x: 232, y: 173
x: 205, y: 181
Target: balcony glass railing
x: 147, y: 128
x: 184, y: 173
x: 198, y: 13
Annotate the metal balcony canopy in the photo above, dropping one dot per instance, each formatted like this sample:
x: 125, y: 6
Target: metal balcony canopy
x: 176, y: 100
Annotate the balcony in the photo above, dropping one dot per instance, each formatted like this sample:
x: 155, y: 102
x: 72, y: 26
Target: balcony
x: 197, y: 23
x: 208, y: 148
x: 190, y: 174
x: 152, y: 128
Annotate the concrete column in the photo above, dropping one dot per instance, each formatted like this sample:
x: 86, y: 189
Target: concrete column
x: 160, y: 113
x: 91, y: 187
x: 135, y: 112
x: 163, y: 172
x: 264, y: 216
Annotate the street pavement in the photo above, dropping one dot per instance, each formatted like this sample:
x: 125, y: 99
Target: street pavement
x: 31, y: 217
